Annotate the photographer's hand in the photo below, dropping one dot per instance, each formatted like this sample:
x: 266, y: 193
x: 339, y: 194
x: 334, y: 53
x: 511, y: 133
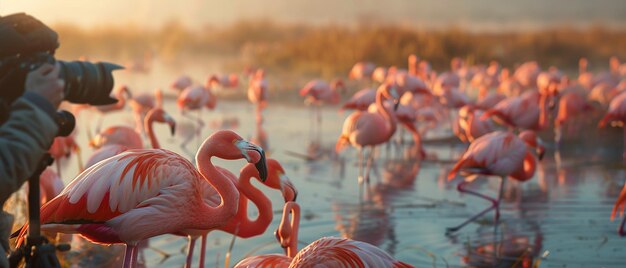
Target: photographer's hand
x: 45, y: 81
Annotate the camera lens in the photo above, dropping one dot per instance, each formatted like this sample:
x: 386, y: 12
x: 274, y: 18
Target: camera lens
x: 87, y: 82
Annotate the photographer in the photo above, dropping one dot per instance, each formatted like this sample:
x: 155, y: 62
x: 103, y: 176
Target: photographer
x: 26, y: 136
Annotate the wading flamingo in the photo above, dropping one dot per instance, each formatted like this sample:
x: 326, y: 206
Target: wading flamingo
x: 522, y: 112
x: 319, y: 92
x: 258, y: 93
x: 501, y: 154
x: 142, y: 103
x: 140, y: 194
x: 193, y: 98
x: 121, y: 93
x: 121, y: 135
x: 324, y: 252
x: 361, y: 70
x: 225, y: 81
x: 155, y: 115
x: 182, y: 82
x: 360, y: 100
x: 616, y: 114
x: 365, y: 129
x: 241, y: 225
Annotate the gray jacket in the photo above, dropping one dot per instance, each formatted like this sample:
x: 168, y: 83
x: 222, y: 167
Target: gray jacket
x: 24, y: 138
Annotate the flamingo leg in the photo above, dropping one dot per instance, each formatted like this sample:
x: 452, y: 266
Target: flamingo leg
x: 621, y: 227
x: 134, y: 254
x: 202, y: 250
x: 494, y: 204
x: 190, y: 247
x: 558, y: 134
x: 128, y: 256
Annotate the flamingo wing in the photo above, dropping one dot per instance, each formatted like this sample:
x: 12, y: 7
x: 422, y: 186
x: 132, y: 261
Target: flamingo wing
x: 265, y: 261
x: 341, y: 252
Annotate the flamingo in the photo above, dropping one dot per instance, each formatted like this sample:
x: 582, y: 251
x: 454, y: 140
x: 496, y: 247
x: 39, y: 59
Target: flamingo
x: 141, y: 105
x: 194, y: 98
x: 361, y: 70
x: 225, y: 81
x: 619, y: 206
x: 258, y: 93
x: 241, y: 225
x: 365, y: 129
x: 63, y: 147
x: 121, y: 93
x: 140, y: 194
x: 318, y: 92
x: 156, y: 114
x: 121, y: 135
x: 519, y: 112
x: 501, y: 154
x: 360, y: 100
x: 472, y: 125
x: 182, y: 82
x: 324, y: 252
x: 617, y: 114
x: 571, y: 105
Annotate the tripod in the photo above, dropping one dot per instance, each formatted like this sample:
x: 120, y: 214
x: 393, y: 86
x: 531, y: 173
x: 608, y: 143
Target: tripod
x: 37, y: 251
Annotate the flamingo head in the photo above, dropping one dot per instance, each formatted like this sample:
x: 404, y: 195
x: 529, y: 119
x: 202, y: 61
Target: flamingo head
x: 390, y: 91
x: 226, y: 144
x: 161, y: 116
x: 339, y: 85
x: 532, y: 140
x: 285, y: 234
x: 277, y: 179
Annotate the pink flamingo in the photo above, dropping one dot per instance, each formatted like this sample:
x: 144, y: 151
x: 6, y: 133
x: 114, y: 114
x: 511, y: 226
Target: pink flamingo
x: 182, y: 82
x: 225, y: 81
x: 193, y: 98
x: 361, y: 70
x: 111, y: 149
x: 617, y: 114
x: 471, y: 125
x: 318, y: 92
x: 324, y: 252
x: 519, y: 112
x: 121, y: 93
x: 499, y: 154
x: 141, y: 105
x: 62, y: 147
x: 380, y: 74
x: 365, y: 129
x: 121, y: 135
x: 258, y: 93
x: 360, y: 100
x: 139, y: 194
x: 620, y: 205
x: 571, y: 105
x: 241, y: 225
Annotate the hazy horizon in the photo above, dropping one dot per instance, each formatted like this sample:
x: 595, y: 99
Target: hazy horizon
x: 478, y: 15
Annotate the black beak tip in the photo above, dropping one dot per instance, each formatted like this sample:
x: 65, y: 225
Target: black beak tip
x: 261, y: 166
x: 173, y: 129
x: 395, y: 105
x: 295, y: 196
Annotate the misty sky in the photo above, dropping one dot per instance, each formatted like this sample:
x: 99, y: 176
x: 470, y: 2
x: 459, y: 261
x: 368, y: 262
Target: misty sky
x: 471, y: 14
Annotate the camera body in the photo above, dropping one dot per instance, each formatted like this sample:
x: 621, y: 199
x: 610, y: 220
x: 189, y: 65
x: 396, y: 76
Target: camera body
x: 27, y: 43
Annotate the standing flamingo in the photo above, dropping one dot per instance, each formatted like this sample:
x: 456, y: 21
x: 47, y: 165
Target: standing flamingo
x: 193, y: 98
x: 522, y: 112
x: 362, y: 70
x: 318, y: 92
x: 182, y: 82
x: 121, y: 93
x: 616, y: 113
x: 241, y: 225
x: 365, y: 129
x: 225, y: 81
x: 140, y: 194
x: 361, y: 100
x: 111, y: 149
x: 258, y: 93
x: 501, y: 154
x: 122, y: 135
x: 324, y: 252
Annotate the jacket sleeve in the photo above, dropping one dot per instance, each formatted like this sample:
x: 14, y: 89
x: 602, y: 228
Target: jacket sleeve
x: 24, y: 138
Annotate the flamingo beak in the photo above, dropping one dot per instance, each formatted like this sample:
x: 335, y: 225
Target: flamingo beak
x: 261, y: 165
x: 288, y: 189
x: 170, y: 121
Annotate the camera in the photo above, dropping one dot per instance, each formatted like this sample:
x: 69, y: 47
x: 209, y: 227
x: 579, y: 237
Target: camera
x: 27, y: 43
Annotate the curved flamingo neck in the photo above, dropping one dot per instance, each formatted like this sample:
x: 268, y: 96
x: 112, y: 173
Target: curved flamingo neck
x: 543, y: 112
x: 147, y: 123
x: 213, y: 217
x: 391, y: 120
x: 244, y: 227
x: 294, y: 208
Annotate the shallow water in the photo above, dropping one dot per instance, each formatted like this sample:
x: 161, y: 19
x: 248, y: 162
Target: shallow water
x: 559, y: 218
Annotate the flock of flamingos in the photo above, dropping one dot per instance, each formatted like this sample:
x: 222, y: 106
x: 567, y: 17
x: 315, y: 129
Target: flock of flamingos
x: 127, y: 194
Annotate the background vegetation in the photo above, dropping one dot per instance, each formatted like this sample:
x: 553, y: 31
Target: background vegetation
x: 331, y: 50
